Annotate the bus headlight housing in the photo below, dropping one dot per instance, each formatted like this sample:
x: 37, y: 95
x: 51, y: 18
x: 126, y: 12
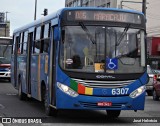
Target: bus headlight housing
x: 67, y: 90
x: 137, y: 92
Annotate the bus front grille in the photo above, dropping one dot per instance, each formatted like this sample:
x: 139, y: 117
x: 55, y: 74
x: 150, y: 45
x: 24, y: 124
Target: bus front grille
x: 94, y: 105
x: 104, y: 84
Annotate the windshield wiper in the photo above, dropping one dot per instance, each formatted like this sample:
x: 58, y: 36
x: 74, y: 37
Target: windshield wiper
x: 122, y: 35
x: 87, y: 32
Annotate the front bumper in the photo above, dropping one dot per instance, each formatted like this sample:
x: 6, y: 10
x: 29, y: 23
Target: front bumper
x: 65, y: 101
x: 5, y: 75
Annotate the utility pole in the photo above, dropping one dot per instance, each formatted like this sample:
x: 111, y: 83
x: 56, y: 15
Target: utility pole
x: 35, y: 10
x: 144, y: 7
x: 81, y: 3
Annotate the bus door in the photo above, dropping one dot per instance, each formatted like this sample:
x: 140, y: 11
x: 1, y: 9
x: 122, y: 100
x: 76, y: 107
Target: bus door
x: 14, y: 61
x: 52, y: 64
x: 28, y: 65
x: 52, y: 61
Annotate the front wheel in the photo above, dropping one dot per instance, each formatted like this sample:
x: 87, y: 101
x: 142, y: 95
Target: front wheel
x: 9, y: 80
x: 155, y: 97
x: 149, y: 93
x: 113, y: 113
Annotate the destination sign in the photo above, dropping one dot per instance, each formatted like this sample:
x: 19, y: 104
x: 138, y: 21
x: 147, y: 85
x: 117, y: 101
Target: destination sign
x: 111, y: 16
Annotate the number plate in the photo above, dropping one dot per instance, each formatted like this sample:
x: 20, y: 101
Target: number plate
x: 104, y: 104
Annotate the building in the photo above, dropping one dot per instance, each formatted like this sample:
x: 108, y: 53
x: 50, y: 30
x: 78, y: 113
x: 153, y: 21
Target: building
x: 4, y: 26
x: 91, y: 3
x: 153, y: 48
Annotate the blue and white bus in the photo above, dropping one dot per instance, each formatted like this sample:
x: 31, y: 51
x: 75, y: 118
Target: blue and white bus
x: 82, y: 58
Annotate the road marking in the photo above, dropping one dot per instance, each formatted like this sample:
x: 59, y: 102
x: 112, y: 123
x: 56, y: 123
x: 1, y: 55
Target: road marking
x: 11, y: 94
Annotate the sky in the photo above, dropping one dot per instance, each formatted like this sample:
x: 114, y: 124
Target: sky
x: 21, y: 12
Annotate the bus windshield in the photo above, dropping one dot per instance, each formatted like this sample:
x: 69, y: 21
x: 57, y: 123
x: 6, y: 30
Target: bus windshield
x: 5, y: 51
x: 89, y: 48
x: 4, y: 60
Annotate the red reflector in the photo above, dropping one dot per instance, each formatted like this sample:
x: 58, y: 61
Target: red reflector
x: 155, y: 76
x: 104, y: 104
x: 155, y: 79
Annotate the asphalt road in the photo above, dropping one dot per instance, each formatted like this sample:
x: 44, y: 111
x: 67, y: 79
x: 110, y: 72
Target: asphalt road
x: 12, y: 107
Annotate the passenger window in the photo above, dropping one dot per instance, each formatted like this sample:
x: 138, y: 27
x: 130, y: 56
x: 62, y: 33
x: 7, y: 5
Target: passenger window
x: 46, y: 45
x: 37, y: 42
x: 13, y: 47
x: 45, y: 39
x: 37, y: 46
x: 41, y: 42
x: 25, y: 42
x: 46, y: 31
x: 20, y: 44
x: 38, y: 33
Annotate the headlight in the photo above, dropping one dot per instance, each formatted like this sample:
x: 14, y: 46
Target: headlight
x: 137, y: 92
x: 67, y: 90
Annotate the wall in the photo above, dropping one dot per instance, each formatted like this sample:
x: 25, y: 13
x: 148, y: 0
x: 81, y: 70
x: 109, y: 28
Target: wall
x: 155, y: 51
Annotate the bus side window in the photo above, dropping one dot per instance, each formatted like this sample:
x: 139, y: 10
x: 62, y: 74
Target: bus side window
x: 37, y: 42
x: 46, y: 38
x: 17, y: 43
x: 46, y: 30
x: 42, y: 39
x: 25, y: 42
x: 13, y: 46
x: 20, y: 43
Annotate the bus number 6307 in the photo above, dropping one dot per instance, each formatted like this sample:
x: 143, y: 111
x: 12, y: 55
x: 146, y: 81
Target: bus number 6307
x: 120, y: 91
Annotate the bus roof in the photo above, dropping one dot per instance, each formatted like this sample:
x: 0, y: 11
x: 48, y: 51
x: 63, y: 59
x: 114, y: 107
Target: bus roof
x: 57, y: 13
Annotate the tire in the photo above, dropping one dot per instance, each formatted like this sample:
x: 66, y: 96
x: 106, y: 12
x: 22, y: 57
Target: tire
x: 49, y: 110
x: 149, y: 93
x: 155, y: 97
x: 113, y: 113
x: 21, y: 95
x: 9, y: 79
